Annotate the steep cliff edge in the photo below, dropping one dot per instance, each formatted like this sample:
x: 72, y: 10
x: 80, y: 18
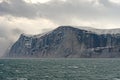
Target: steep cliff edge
x: 67, y: 41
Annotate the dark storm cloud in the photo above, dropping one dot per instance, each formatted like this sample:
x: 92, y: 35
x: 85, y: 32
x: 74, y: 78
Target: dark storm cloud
x: 58, y: 10
x: 17, y: 8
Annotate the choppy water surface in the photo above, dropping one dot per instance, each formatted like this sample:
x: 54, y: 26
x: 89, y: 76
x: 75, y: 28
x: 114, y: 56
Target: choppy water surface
x: 59, y: 69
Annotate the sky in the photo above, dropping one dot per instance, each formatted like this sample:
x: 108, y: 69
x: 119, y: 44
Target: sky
x: 39, y: 16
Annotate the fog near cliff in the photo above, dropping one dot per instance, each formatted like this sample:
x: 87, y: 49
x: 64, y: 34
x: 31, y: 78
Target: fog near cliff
x: 38, y: 16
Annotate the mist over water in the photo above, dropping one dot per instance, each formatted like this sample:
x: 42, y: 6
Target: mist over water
x: 60, y: 69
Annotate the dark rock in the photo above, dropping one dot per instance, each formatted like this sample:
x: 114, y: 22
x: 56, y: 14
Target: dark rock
x: 66, y: 41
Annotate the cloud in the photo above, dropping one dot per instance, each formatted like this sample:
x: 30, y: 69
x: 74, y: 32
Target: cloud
x: 16, y: 31
x: 17, y: 8
x: 54, y: 8
x: 63, y: 12
x: 11, y: 28
x: 8, y: 34
x: 18, y: 16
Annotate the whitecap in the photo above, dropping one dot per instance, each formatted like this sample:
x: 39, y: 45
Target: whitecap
x: 1, y: 72
x: 17, y: 71
x: 73, y: 67
x: 116, y: 78
x: 47, y: 76
x: 22, y: 79
x: 1, y: 64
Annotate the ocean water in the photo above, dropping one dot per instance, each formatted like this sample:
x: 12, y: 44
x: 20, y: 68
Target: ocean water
x: 60, y: 69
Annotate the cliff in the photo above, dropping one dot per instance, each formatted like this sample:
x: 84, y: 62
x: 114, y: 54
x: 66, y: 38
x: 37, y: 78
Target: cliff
x: 67, y: 41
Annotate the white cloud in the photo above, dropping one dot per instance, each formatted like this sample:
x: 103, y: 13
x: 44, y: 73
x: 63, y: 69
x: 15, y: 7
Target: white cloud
x: 36, y: 16
x: 29, y: 26
x: 37, y: 1
x: 12, y: 27
x: 115, y: 1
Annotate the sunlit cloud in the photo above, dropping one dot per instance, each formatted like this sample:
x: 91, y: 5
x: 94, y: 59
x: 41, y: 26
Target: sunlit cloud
x: 37, y: 1
x: 115, y: 1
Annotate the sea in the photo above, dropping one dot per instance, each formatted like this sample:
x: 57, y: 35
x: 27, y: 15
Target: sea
x: 60, y: 69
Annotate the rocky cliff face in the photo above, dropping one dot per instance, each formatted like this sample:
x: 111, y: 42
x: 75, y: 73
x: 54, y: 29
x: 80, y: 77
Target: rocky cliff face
x: 66, y: 41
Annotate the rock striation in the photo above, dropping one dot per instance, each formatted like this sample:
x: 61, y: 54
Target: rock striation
x: 67, y: 42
